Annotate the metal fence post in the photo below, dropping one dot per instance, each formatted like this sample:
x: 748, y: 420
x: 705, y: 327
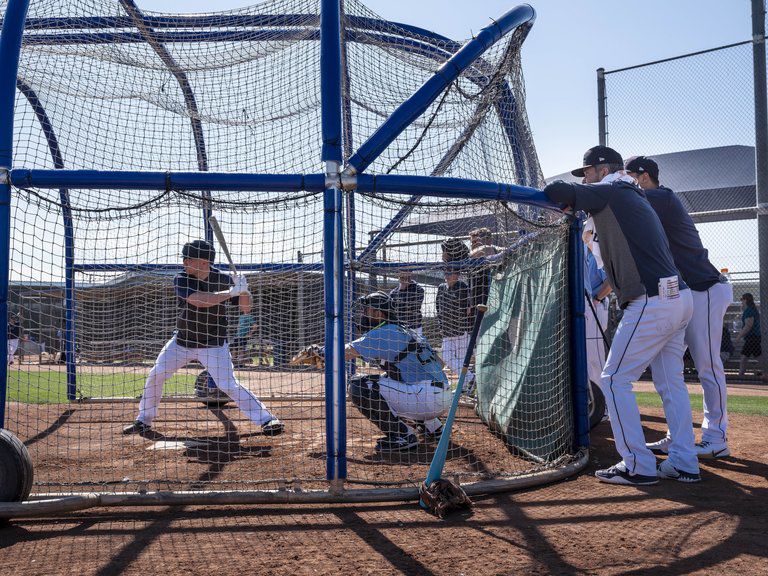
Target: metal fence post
x: 761, y: 157
x: 602, y: 134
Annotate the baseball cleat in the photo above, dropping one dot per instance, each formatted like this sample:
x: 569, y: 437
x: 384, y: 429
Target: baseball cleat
x: 137, y: 427
x: 660, y: 448
x: 273, y: 428
x: 397, y: 443
x: 433, y: 436
x: 705, y: 449
x: 618, y: 474
x: 667, y: 470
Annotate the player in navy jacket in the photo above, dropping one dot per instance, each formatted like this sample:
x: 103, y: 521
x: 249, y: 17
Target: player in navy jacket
x: 657, y: 307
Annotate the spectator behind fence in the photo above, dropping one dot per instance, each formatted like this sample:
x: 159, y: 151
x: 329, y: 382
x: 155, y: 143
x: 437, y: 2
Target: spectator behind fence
x: 407, y: 299
x: 750, y: 333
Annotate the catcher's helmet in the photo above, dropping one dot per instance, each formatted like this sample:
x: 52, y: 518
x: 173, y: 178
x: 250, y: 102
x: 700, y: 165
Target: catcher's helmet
x: 380, y: 301
x: 199, y: 249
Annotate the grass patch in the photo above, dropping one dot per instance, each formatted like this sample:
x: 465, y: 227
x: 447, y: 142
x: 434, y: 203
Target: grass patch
x: 751, y: 405
x: 51, y: 387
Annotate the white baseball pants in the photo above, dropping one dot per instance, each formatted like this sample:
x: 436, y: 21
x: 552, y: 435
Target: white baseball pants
x: 595, y: 341
x: 217, y: 361
x: 454, y: 350
x: 419, y: 401
x: 13, y: 345
x: 651, y: 330
x: 703, y: 336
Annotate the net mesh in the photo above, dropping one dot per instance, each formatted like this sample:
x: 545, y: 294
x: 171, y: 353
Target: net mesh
x: 239, y: 92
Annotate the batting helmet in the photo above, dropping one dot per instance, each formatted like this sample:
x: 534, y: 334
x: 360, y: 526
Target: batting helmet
x: 199, y: 249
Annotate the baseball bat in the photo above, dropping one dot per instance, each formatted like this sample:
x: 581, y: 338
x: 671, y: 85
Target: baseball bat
x: 441, y: 452
x: 222, y: 242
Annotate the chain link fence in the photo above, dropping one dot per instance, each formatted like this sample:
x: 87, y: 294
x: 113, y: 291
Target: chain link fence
x: 695, y: 115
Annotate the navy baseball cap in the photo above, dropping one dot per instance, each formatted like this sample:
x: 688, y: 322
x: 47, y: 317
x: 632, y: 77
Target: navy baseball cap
x: 598, y: 155
x: 643, y: 165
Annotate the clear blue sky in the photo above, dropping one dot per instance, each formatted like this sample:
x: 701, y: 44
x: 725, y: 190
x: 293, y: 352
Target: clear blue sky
x: 570, y: 40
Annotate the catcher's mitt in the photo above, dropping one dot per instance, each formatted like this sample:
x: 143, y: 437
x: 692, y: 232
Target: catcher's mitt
x: 313, y: 355
x: 443, y: 496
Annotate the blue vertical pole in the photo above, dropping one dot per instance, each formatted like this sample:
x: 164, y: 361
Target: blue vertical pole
x: 578, y: 333
x: 69, y: 238
x: 346, y: 106
x: 10, y: 49
x: 333, y: 245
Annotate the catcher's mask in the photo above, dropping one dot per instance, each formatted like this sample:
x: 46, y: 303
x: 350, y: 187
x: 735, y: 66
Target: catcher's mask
x: 199, y: 250
x: 375, y: 301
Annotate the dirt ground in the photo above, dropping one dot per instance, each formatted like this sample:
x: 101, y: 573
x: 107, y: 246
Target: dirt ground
x: 577, y: 526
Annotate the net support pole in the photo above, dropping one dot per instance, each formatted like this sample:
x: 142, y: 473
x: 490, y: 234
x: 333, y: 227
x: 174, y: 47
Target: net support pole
x: 602, y: 134
x: 346, y: 105
x: 187, y: 92
x: 414, y: 106
x: 69, y: 237
x: 333, y: 245
x: 761, y: 156
x: 10, y: 49
x: 578, y: 333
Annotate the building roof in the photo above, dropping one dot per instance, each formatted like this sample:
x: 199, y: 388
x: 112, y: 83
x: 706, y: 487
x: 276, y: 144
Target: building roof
x: 714, y: 184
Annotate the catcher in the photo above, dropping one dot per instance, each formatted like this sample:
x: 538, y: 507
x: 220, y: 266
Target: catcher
x: 413, y: 386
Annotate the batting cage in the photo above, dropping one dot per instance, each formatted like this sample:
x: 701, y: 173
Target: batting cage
x: 189, y: 202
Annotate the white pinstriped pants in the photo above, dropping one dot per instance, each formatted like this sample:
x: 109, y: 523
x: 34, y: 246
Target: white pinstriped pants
x: 703, y: 336
x: 217, y: 361
x: 651, y: 330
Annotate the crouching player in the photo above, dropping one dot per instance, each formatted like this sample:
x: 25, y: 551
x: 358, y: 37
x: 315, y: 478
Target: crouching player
x: 413, y: 386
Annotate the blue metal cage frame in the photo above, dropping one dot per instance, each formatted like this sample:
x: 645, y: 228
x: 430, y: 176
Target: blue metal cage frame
x: 344, y: 167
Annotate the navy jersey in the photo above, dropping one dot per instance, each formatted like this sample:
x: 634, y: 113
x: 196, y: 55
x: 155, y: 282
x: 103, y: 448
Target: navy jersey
x: 452, y: 306
x: 201, y: 327
x: 406, y: 356
x: 691, y: 258
x: 14, y: 331
x: 408, y: 303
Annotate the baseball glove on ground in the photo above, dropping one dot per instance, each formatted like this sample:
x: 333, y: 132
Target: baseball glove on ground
x: 443, y: 496
x: 313, y: 356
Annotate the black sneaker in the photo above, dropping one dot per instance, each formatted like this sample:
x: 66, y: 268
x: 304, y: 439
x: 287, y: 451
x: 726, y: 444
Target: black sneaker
x: 429, y: 436
x: 618, y: 475
x: 667, y: 470
x: 137, y: 427
x: 273, y: 428
x: 397, y: 443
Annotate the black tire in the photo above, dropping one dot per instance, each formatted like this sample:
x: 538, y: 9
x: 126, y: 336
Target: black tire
x: 596, y: 405
x: 211, y: 397
x: 16, y: 472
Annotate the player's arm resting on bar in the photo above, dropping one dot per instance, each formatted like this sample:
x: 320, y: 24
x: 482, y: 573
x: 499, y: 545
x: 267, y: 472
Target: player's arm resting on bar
x: 587, y: 197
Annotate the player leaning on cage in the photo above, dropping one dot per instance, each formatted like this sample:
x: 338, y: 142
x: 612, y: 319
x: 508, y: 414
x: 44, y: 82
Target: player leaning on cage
x: 657, y: 307
x: 712, y: 294
x: 201, y: 334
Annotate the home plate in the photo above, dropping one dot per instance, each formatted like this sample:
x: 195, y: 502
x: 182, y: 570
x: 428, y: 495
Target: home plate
x: 175, y: 445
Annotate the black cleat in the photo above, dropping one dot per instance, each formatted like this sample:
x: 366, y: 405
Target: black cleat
x: 137, y: 427
x: 273, y: 428
x: 397, y: 443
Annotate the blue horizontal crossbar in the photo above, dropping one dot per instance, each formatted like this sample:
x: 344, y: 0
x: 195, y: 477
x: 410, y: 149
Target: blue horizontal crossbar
x: 276, y: 267
x: 235, y: 20
x: 105, y: 179
x: 437, y: 186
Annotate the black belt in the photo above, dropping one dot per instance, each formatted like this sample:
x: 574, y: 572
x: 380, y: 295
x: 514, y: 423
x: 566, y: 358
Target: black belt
x: 438, y: 384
